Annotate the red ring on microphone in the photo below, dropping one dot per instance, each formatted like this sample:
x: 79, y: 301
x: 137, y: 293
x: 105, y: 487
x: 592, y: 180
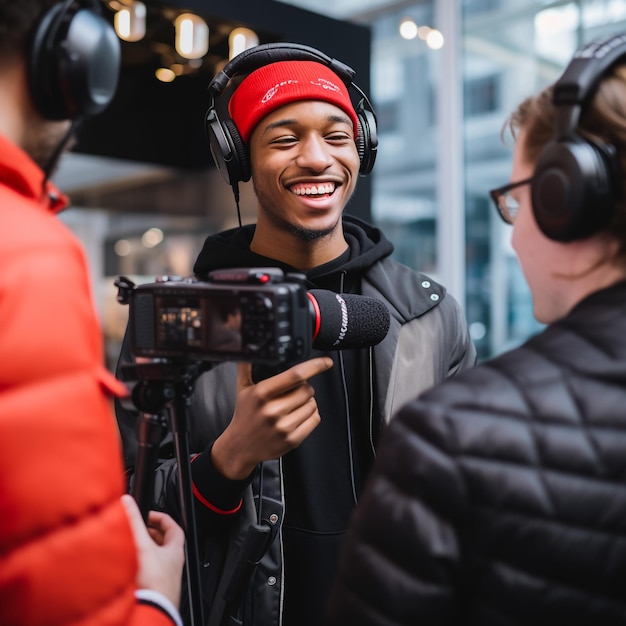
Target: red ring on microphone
x: 318, y: 315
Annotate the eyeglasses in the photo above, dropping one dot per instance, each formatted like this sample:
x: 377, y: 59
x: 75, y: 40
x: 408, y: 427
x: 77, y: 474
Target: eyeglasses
x: 506, y: 204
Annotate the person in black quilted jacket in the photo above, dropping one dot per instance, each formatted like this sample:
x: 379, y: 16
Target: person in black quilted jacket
x: 499, y: 496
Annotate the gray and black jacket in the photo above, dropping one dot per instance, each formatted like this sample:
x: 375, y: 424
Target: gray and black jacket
x: 301, y: 504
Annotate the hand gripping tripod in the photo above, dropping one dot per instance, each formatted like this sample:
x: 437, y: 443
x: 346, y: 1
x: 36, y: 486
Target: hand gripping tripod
x: 162, y: 395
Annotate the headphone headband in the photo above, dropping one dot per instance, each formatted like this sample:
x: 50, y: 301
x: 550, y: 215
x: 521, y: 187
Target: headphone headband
x: 254, y: 58
x: 582, y: 75
x: 586, y: 68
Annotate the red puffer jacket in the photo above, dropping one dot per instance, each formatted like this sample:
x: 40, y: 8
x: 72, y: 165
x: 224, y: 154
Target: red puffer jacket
x: 66, y: 549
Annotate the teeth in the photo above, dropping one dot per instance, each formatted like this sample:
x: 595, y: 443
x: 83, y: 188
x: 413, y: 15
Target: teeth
x: 314, y: 190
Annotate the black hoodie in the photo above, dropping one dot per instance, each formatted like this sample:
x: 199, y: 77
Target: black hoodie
x: 324, y: 475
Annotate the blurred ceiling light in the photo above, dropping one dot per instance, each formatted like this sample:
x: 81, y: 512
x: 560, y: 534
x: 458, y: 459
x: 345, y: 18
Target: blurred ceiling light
x: 177, y: 68
x: 408, y: 28
x: 122, y: 247
x: 192, y: 36
x: 165, y: 74
x: 130, y: 20
x: 434, y: 40
x: 241, y: 39
x: 152, y: 237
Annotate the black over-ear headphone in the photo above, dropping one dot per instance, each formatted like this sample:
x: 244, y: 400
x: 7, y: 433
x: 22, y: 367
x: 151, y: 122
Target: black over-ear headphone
x: 576, y: 181
x: 228, y: 148
x: 74, y: 61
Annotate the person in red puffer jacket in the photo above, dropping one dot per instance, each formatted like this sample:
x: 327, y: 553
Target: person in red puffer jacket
x: 73, y: 548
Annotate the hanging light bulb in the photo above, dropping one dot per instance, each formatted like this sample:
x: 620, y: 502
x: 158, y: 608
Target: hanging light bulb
x: 130, y: 21
x: 192, y: 36
x: 241, y: 39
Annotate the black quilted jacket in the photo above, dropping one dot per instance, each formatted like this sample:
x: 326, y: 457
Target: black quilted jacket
x: 499, y: 497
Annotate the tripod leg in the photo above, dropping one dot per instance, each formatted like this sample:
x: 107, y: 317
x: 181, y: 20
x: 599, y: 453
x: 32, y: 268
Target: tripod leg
x: 178, y: 418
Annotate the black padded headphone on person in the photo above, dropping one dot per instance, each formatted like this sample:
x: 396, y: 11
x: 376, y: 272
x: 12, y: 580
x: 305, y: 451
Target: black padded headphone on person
x: 74, y: 61
x: 228, y: 148
x: 576, y: 181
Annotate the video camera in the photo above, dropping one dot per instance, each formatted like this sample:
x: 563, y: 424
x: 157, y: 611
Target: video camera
x: 259, y: 315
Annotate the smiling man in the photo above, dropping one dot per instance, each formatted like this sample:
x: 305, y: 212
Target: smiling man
x: 277, y: 450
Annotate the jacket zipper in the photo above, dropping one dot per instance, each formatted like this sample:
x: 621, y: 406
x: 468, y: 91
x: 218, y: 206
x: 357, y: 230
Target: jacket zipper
x: 281, y: 596
x: 370, y: 355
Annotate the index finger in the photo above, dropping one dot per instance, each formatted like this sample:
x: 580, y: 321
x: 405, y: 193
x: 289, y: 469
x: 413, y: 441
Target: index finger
x: 244, y: 375
x: 297, y: 374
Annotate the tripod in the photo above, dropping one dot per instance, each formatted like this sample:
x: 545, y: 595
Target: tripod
x: 162, y: 394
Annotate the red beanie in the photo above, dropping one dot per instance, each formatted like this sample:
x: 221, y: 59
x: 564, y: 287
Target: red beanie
x: 277, y: 84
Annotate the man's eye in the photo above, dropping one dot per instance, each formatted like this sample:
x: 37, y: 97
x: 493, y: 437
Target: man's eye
x: 284, y: 140
x: 339, y: 137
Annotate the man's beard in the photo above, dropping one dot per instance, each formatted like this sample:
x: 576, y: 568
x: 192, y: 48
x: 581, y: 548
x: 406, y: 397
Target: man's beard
x: 308, y: 234
x: 46, y: 143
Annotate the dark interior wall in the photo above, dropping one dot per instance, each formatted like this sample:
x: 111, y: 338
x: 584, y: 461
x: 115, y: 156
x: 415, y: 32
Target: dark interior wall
x: 163, y: 123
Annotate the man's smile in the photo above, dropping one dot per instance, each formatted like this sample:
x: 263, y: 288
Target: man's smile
x: 318, y: 189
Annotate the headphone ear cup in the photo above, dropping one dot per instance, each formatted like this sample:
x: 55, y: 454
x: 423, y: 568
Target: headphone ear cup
x: 367, y: 139
x: 227, y: 149
x: 570, y: 177
x: 240, y: 151
x: 74, y: 63
x: 219, y: 146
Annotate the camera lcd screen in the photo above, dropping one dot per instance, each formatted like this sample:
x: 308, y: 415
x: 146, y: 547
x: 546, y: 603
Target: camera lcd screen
x: 194, y: 324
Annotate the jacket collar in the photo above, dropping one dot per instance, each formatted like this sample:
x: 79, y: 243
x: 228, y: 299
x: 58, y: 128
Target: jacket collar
x: 231, y: 248
x: 19, y: 172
